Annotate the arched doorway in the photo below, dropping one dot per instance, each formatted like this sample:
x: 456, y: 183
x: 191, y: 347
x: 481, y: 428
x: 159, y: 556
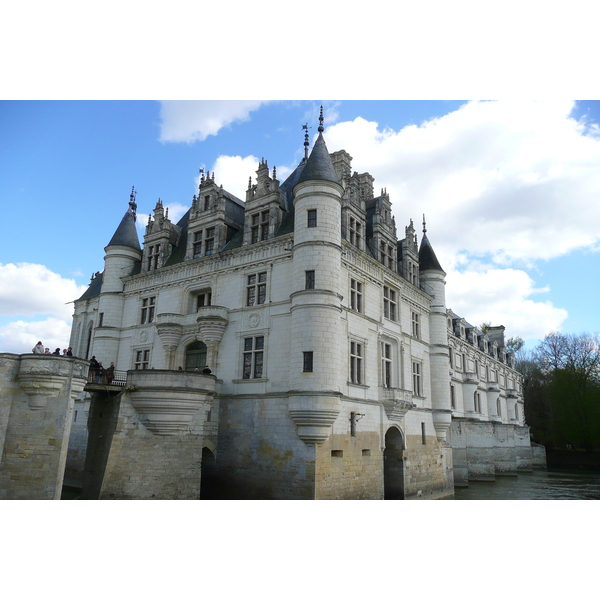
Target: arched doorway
x: 207, y: 482
x: 393, y: 466
x: 195, y: 356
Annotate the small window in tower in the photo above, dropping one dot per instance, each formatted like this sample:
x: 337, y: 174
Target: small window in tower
x: 312, y: 218
x: 309, y: 283
x: 423, y: 436
x: 307, y: 362
x: 100, y: 319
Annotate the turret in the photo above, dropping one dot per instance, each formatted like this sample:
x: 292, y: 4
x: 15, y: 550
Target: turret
x: 433, y: 282
x: 317, y: 372
x: 123, y: 253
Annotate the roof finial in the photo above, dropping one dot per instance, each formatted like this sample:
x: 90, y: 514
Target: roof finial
x: 132, y: 203
x: 321, y: 129
x: 424, y: 225
x: 306, y: 128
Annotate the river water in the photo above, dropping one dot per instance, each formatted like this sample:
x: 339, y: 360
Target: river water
x: 546, y: 484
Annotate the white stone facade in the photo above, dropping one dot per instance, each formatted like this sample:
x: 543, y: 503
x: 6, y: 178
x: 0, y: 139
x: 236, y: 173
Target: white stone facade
x: 330, y: 357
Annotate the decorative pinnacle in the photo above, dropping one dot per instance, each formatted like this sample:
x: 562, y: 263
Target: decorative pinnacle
x: 306, y: 128
x: 424, y: 225
x: 132, y: 203
x: 321, y: 129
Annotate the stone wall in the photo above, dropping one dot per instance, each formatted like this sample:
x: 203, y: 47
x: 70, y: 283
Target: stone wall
x: 146, y: 442
x: 37, y: 394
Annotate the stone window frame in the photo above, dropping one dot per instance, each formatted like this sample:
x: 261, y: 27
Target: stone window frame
x: 311, y: 217
x: 415, y: 321
x: 390, y: 303
x: 417, y: 378
x: 253, y: 356
x: 148, y: 310
x: 356, y: 295
x: 141, y: 358
x: 153, y: 257
x: 309, y: 279
x: 356, y: 363
x: 387, y: 363
x: 355, y: 232
x: 257, y: 289
x: 308, y: 361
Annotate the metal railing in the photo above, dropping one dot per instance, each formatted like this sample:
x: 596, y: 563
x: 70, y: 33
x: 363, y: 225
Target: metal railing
x: 101, y: 377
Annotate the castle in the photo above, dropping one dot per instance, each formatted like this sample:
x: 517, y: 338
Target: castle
x: 288, y: 346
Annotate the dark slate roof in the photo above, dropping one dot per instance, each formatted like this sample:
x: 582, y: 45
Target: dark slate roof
x: 319, y: 165
x: 126, y: 233
x: 178, y: 252
x: 94, y: 287
x: 427, y: 259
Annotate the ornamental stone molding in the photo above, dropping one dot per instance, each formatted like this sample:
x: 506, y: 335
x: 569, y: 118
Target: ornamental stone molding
x: 314, y: 416
x: 442, y: 421
x: 396, y: 403
x: 212, y: 321
x: 43, y: 377
x: 167, y: 402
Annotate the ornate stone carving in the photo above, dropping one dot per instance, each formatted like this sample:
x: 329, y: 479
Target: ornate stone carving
x: 314, y: 416
x: 397, y: 402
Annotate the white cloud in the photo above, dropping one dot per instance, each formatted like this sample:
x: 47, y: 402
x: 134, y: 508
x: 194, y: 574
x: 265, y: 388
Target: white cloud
x: 502, y: 297
x: 28, y: 289
x: 20, y: 337
x: 194, y: 120
x: 517, y: 180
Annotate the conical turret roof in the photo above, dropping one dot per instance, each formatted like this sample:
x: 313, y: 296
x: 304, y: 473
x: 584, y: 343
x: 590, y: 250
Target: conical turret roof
x: 319, y: 165
x: 126, y: 233
x: 427, y: 259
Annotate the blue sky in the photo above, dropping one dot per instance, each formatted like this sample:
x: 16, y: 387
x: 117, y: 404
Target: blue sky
x: 509, y: 189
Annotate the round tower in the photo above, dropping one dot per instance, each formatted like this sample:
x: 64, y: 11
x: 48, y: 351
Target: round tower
x: 121, y: 255
x: 316, y: 370
x: 433, y: 281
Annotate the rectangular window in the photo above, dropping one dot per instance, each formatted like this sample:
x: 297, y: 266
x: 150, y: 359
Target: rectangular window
x: 356, y: 358
x: 309, y: 283
x: 253, y: 357
x: 148, y: 307
x: 452, y: 397
x: 423, y: 436
x: 142, y: 358
x: 209, y: 245
x: 416, y: 369
x: 206, y: 202
x: 416, y: 325
x: 386, y: 254
x: 203, y: 299
x: 356, y: 293
x: 476, y: 402
x: 312, y: 218
x: 389, y: 303
x: 256, y: 289
x: 355, y: 232
x: 307, y: 366
x: 386, y: 364
x: 153, y: 254
x: 100, y: 319
x: 197, y: 248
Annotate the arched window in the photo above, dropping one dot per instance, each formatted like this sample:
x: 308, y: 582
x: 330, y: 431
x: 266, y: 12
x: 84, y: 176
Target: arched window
x: 195, y: 356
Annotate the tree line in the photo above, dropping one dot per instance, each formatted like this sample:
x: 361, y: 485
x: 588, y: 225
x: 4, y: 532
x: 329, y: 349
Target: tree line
x: 561, y: 390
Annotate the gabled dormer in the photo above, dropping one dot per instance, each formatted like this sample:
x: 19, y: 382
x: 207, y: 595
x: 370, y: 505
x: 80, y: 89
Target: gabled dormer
x: 354, y: 216
x: 265, y: 206
x: 381, y: 230
x: 160, y: 238
x: 408, y: 255
x: 215, y: 217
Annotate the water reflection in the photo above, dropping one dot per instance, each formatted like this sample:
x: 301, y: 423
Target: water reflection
x: 538, y: 485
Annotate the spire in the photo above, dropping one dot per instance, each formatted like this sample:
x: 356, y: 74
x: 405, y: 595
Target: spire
x: 319, y: 165
x: 126, y: 233
x: 427, y: 259
x: 321, y: 129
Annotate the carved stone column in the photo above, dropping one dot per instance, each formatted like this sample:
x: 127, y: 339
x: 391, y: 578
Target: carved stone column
x: 169, y: 333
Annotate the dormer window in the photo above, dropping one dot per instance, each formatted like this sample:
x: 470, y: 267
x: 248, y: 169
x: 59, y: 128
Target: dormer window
x: 355, y: 231
x: 153, y: 255
x: 209, y: 245
x: 197, y: 244
x: 462, y: 331
x: 260, y: 227
x: 386, y: 255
